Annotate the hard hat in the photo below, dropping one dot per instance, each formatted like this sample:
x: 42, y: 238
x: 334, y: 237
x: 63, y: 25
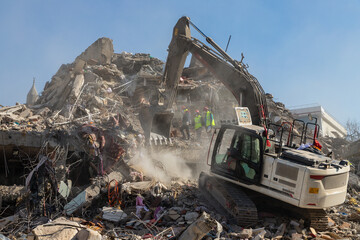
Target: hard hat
x: 206, y: 108
x: 183, y: 107
x: 197, y: 111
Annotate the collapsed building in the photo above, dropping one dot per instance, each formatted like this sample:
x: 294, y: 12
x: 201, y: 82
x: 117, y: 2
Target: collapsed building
x: 72, y: 148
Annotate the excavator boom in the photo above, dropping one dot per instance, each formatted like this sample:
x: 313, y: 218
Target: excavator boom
x: 233, y: 74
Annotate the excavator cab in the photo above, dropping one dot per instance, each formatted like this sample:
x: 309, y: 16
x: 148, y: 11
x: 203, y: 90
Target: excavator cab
x: 238, y: 153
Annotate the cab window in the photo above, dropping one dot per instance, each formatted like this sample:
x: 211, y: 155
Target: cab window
x: 222, y: 150
x: 239, y: 155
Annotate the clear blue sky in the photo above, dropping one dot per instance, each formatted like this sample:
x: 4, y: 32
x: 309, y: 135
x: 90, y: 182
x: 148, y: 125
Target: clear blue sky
x: 302, y: 52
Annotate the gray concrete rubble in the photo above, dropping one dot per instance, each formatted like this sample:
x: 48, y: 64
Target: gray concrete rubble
x: 113, y: 214
x: 74, y: 163
x: 62, y: 228
x: 203, y: 225
x: 82, y: 200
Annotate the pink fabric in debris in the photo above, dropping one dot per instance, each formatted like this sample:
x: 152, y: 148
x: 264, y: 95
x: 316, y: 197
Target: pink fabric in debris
x: 139, y: 201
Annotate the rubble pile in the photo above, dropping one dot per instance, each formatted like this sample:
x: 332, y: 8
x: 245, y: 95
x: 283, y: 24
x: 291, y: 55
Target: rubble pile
x: 338, y: 146
x: 112, y: 208
x: 85, y: 118
x: 278, y: 113
x: 20, y: 117
x: 98, y: 82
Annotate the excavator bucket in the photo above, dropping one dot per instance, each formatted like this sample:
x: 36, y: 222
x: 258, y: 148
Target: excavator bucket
x: 155, y: 122
x: 161, y: 123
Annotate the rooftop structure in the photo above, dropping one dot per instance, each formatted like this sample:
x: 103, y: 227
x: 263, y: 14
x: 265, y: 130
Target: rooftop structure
x: 329, y: 126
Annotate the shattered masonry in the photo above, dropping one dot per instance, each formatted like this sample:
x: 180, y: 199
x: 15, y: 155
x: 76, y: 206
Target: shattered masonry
x: 68, y: 156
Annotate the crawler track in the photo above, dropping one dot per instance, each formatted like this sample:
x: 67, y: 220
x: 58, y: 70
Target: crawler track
x: 242, y: 209
x: 231, y: 198
x: 315, y: 218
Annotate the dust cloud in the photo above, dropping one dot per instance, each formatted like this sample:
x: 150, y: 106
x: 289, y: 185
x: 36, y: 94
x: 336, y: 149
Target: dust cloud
x: 162, y: 166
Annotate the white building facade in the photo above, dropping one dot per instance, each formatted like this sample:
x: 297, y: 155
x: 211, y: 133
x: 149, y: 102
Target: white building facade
x: 329, y: 126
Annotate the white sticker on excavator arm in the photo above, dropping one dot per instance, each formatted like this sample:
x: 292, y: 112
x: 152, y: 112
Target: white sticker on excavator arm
x: 243, y: 116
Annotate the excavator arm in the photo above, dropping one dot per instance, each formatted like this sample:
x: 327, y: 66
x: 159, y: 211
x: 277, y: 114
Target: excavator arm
x: 233, y: 74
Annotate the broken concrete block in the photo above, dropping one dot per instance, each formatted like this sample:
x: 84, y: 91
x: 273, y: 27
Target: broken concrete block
x: 345, y: 226
x: 146, y: 71
x: 26, y: 113
x: 324, y: 236
x: 296, y: 236
x: 113, y: 214
x: 257, y: 230
x: 88, y: 234
x: 245, y: 233
x: 84, y: 199
x: 128, y: 187
x: 180, y: 219
x: 191, y: 216
x: 331, y: 222
x: 90, y: 77
x: 77, y: 85
x: 64, y: 189
x: 108, y: 74
x: 101, y: 51
x: 198, y: 229
x: 116, y: 176
x: 259, y: 235
x: 334, y: 235
x: 12, y: 109
x: 173, y: 215
x: 43, y: 111
x: 281, y: 230
x: 294, y: 223
x: 10, y: 118
x: 79, y: 65
x: 34, y: 118
x: 60, y: 228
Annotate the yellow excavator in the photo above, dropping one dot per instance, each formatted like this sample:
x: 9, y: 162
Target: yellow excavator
x: 251, y: 161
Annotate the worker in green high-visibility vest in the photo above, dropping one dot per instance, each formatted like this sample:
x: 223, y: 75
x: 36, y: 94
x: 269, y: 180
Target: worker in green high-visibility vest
x: 208, y: 120
x: 198, y: 124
